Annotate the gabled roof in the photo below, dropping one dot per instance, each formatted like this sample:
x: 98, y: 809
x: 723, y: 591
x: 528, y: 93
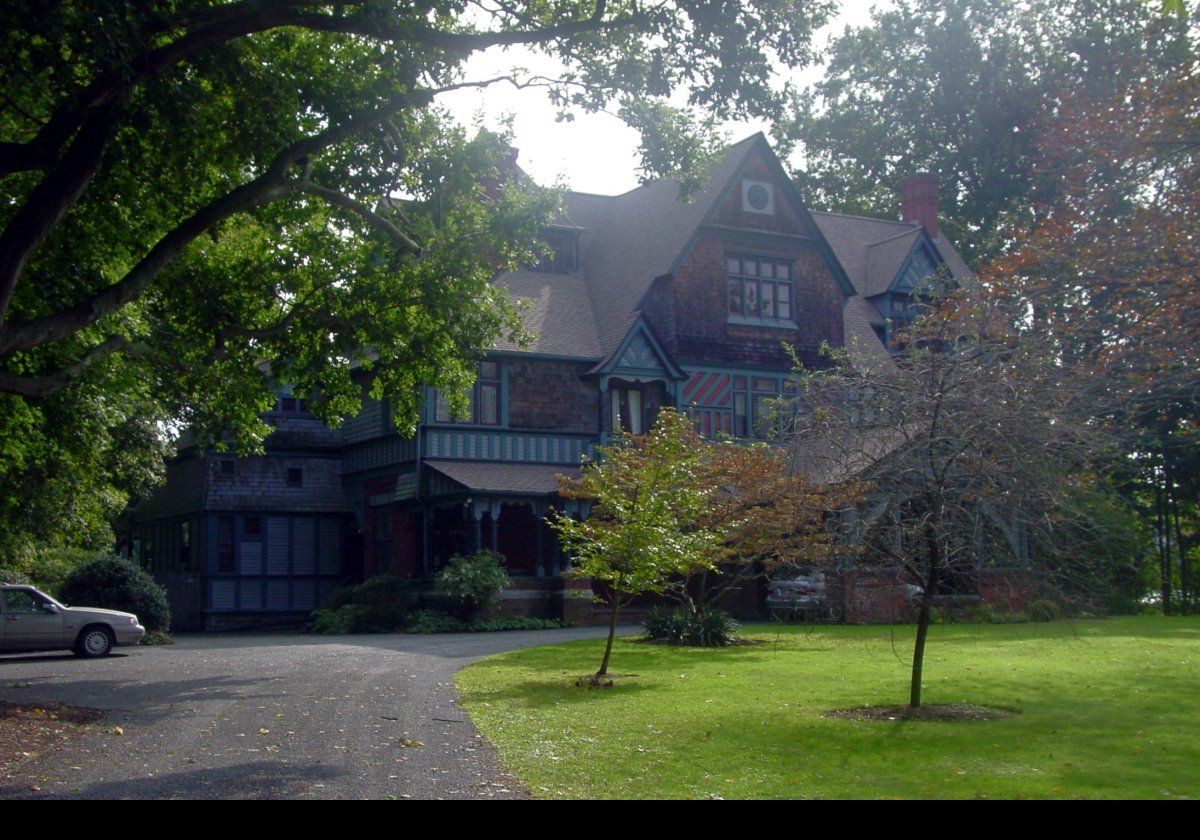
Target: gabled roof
x: 874, y: 251
x: 628, y: 241
x: 886, y: 259
x: 645, y: 230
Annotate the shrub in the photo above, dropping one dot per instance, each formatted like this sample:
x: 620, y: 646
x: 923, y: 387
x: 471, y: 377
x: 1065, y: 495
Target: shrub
x: 1043, y: 609
x: 44, y: 566
x: 707, y: 627
x: 115, y: 583
x: 380, y: 604
x: 429, y: 621
x: 711, y: 627
x: 472, y: 583
x: 664, y: 623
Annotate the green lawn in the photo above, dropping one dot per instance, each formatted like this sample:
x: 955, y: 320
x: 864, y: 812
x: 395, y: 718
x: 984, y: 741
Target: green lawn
x: 1108, y: 709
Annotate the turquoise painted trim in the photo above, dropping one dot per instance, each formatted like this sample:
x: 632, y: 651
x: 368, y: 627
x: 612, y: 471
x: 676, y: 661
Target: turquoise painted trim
x: 792, y: 198
x: 700, y: 366
x: 743, y: 321
x: 759, y: 237
x: 643, y: 328
x: 545, y: 357
x: 931, y: 251
x: 506, y: 446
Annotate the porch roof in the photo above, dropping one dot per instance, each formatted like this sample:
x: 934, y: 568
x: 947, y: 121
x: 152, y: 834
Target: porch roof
x: 512, y: 479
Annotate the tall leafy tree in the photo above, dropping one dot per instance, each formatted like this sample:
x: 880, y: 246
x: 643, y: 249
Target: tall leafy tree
x: 203, y: 198
x: 961, y: 89
x: 1109, y: 272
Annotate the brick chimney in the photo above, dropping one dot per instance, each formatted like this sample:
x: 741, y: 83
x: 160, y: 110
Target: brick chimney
x: 919, y: 202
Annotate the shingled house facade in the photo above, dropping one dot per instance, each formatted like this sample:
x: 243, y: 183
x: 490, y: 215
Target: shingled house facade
x: 645, y: 302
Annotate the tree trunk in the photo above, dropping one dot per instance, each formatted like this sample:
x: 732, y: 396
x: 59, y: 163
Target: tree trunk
x: 612, y: 632
x: 1163, y: 534
x: 923, y: 617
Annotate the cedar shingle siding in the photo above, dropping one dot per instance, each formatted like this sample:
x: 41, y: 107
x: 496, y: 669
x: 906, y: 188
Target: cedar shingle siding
x: 642, y: 319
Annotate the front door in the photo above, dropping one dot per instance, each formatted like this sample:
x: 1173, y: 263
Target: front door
x: 30, y: 621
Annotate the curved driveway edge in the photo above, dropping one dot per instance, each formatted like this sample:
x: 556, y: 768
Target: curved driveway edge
x: 269, y: 716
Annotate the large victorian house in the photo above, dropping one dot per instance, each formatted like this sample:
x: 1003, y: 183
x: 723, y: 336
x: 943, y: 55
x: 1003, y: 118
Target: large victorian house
x: 644, y: 302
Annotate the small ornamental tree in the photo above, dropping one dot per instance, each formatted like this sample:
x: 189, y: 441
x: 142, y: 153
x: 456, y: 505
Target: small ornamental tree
x: 977, y: 442
x: 766, y: 512
x: 648, y: 495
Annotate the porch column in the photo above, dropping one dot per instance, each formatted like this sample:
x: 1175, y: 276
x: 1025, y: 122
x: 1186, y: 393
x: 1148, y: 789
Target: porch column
x: 426, y: 512
x: 477, y: 529
x: 538, y: 512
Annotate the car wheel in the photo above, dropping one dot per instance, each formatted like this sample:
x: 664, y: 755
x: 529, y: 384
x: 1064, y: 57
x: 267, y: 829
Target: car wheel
x: 94, y: 642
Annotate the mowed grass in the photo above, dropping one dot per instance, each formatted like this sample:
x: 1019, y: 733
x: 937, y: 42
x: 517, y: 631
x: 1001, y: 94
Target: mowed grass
x: 1108, y: 709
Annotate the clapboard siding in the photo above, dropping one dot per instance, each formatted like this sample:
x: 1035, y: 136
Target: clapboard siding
x: 367, y: 424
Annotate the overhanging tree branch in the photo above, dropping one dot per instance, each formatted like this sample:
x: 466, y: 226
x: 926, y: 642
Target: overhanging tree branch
x: 48, y: 384
x: 275, y: 183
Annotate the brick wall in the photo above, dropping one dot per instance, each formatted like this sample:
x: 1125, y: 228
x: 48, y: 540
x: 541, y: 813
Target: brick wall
x: 550, y: 396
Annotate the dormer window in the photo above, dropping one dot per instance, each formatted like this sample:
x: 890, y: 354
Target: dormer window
x: 564, y: 252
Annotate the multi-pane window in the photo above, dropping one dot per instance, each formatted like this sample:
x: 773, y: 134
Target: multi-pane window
x: 484, y: 407
x: 756, y: 409
x: 760, y: 287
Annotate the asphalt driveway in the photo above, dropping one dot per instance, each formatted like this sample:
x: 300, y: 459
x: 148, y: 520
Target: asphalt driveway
x: 256, y: 716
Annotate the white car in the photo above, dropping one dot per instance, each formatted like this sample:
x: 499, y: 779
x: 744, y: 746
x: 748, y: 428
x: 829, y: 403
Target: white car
x: 797, y: 592
x: 32, y: 620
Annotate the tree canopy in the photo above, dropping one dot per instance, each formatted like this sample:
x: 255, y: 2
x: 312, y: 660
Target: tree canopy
x: 962, y: 89
x: 203, y: 200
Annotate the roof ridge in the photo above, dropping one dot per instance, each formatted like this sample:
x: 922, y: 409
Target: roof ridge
x: 865, y: 218
x: 899, y: 235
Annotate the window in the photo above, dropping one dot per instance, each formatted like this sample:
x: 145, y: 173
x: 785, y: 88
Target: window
x: 760, y: 288
x: 252, y: 528
x: 295, y: 477
x: 226, y: 559
x: 228, y: 467
x: 627, y: 411
x: 755, y: 413
x: 484, y: 407
x: 25, y: 602
x: 564, y: 252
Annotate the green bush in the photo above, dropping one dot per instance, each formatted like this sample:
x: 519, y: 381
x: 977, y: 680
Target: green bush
x: 45, y: 567
x: 707, y: 627
x: 1043, y: 609
x: 711, y: 627
x: 114, y: 583
x: 665, y: 623
x: 380, y: 604
x: 976, y: 614
x: 429, y: 621
x: 472, y: 583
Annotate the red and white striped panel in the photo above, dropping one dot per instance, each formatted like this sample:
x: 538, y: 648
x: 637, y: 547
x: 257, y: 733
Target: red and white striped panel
x: 707, y: 389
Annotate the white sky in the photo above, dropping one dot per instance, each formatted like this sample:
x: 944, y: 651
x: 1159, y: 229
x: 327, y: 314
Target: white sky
x: 597, y: 152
